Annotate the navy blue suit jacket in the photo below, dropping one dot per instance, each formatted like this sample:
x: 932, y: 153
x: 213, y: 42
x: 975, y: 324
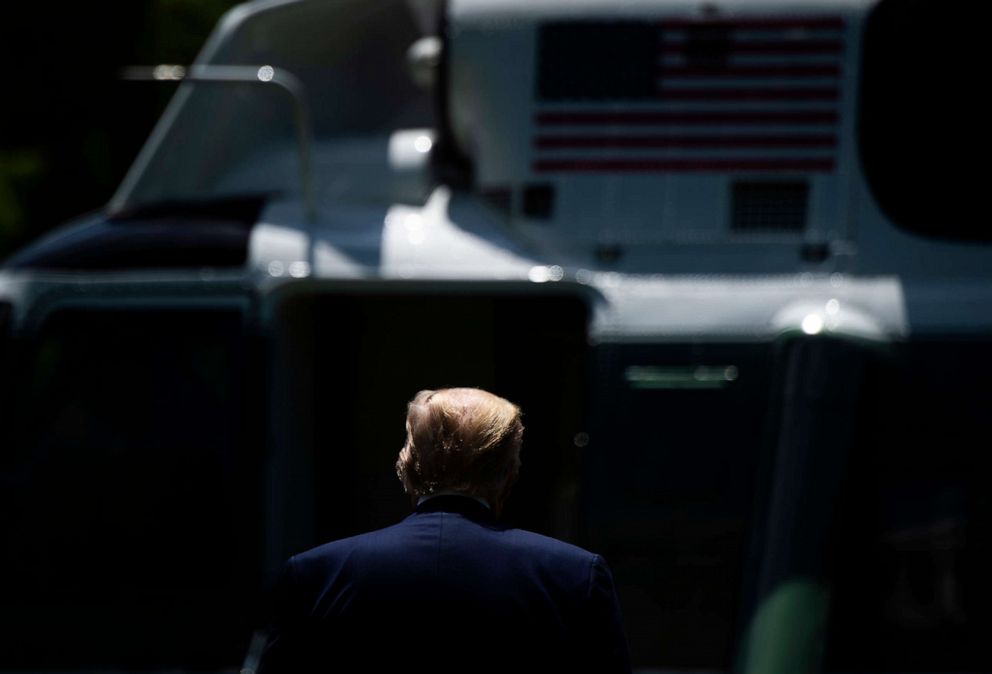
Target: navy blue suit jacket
x: 448, y: 589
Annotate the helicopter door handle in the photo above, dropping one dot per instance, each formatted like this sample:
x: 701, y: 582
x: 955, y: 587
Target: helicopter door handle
x: 698, y: 377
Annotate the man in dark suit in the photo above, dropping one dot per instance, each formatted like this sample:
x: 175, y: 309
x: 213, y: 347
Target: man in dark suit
x: 449, y: 589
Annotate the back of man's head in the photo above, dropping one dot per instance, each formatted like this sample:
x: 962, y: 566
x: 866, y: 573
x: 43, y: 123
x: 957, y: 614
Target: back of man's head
x: 464, y: 440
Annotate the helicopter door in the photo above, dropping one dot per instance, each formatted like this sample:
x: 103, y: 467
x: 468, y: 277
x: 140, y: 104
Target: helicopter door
x: 671, y: 487
x: 911, y: 552
x: 347, y: 363
x: 130, y: 512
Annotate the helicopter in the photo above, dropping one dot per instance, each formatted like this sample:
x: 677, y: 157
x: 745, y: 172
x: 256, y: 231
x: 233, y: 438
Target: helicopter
x: 722, y: 254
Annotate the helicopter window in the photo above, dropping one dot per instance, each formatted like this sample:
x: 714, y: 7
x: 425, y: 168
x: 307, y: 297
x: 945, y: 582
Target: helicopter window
x: 129, y: 517
x: 920, y: 110
x: 914, y: 546
x: 241, y: 139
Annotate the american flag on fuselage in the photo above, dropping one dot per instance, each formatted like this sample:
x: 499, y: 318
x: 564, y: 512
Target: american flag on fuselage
x: 746, y: 94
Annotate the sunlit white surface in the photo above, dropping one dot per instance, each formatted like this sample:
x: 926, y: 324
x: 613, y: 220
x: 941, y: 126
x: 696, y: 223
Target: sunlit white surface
x: 543, y: 273
x: 299, y: 269
x: 812, y: 324
x: 266, y: 73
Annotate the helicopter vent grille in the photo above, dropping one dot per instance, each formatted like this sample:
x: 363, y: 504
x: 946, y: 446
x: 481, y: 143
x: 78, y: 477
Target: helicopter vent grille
x: 769, y: 206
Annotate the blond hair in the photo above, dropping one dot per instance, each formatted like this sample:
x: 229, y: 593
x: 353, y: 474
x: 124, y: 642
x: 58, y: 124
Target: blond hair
x: 459, y: 439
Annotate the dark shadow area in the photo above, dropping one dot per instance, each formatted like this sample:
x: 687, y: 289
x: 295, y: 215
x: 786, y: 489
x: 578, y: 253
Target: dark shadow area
x: 920, y: 111
x: 130, y: 522
x: 669, y: 490
x: 911, y: 584
x: 70, y: 126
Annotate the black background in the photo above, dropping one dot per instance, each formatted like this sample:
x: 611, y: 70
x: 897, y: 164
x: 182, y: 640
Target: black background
x: 69, y: 126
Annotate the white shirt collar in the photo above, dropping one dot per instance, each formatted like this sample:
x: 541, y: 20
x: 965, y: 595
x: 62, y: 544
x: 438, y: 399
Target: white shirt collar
x: 448, y: 492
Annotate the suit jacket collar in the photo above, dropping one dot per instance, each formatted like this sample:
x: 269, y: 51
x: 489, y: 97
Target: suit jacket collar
x: 462, y: 505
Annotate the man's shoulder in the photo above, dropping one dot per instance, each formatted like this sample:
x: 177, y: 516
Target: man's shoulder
x: 348, y: 544
x: 539, y: 542
x: 512, y: 540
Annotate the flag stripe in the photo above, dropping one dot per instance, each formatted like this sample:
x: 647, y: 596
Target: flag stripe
x: 755, y: 94
x: 695, y: 118
x: 661, y: 142
x: 776, y: 47
x: 678, y: 71
x: 758, y: 23
x: 654, y: 165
